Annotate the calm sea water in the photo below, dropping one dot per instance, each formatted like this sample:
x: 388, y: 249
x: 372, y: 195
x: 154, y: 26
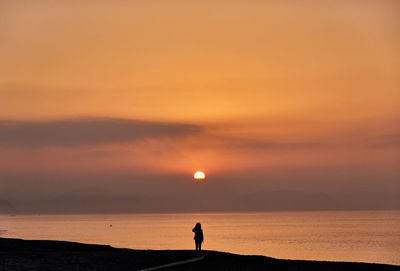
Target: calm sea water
x: 362, y: 236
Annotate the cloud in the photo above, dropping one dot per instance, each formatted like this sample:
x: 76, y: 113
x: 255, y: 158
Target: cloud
x: 78, y: 132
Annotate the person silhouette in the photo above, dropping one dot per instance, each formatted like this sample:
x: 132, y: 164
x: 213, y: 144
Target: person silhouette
x: 198, y: 236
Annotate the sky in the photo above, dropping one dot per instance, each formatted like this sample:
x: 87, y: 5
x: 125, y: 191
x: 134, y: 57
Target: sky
x: 285, y: 105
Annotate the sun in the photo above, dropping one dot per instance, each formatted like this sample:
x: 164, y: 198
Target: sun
x: 199, y: 175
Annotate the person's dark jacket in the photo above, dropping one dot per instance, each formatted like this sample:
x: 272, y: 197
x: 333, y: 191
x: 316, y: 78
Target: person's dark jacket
x: 198, y: 234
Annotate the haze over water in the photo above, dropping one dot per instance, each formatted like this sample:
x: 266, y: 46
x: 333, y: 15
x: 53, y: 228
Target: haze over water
x: 362, y: 236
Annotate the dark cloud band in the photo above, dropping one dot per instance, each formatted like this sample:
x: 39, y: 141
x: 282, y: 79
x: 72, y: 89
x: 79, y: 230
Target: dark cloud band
x: 87, y: 131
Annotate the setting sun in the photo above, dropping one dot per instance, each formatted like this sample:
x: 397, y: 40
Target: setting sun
x: 199, y: 175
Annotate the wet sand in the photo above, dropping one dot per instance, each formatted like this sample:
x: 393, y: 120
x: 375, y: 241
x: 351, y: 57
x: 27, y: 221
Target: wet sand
x: 18, y: 254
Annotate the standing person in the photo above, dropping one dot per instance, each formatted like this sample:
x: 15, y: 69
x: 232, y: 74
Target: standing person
x: 198, y: 236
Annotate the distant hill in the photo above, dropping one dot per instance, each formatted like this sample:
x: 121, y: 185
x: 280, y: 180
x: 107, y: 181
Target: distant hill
x: 6, y: 207
x: 291, y: 200
x: 287, y: 200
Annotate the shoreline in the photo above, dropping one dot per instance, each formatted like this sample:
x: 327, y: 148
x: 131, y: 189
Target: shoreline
x: 19, y: 254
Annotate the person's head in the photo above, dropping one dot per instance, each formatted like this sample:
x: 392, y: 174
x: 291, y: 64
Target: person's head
x: 198, y: 225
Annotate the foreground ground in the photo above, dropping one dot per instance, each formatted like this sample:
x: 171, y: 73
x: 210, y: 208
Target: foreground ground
x: 17, y: 254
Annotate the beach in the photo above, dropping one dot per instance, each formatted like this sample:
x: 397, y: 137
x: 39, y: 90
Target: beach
x: 18, y: 254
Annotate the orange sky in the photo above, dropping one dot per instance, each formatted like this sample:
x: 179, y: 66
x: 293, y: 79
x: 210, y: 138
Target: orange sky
x: 230, y: 87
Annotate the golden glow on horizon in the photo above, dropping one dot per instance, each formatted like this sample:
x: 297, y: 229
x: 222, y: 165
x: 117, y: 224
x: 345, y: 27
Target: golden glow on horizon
x: 199, y: 175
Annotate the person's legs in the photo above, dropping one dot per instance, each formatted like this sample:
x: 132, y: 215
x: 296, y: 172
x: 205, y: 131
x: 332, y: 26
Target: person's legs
x: 199, y: 245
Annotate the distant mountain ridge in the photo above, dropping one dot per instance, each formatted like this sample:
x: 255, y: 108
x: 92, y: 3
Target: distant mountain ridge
x: 292, y: 200
x: 288, y: 200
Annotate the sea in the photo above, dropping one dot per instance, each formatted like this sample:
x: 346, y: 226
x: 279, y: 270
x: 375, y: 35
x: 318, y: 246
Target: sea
x: 356, y: 236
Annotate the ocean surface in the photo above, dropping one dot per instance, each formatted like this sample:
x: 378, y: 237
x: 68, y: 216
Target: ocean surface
x: 359, y: 236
